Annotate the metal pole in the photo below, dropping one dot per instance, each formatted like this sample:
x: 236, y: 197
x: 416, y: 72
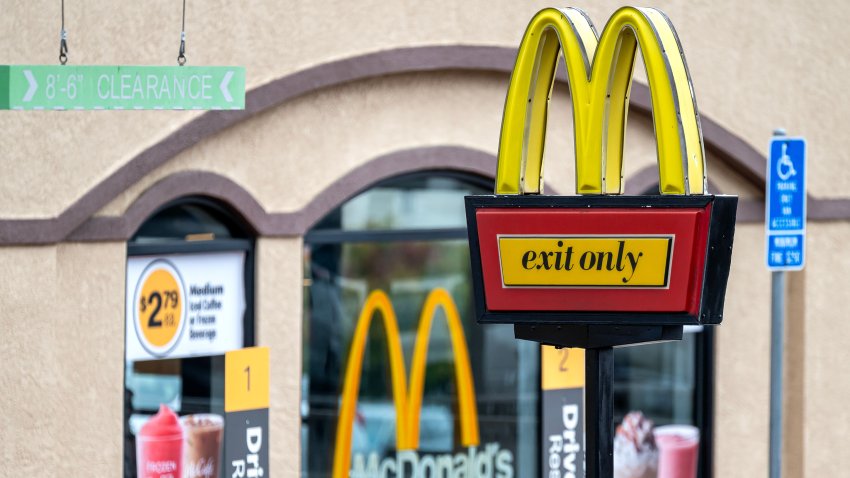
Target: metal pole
x: 599, y: 400
x: 777, y: 334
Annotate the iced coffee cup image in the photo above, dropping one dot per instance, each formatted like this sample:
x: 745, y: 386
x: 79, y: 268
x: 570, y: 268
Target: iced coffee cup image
x: 678, y: 448
x: 202, y: 450
x: 159, y: 446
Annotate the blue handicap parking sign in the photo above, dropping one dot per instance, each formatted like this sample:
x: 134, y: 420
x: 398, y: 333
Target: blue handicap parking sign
x: 785, y: 211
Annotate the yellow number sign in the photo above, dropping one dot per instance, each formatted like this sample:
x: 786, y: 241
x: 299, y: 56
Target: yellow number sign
x: 561, y: 368
x: 246, y: 379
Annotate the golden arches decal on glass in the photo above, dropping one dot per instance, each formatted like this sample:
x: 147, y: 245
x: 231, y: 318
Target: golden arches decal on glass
x: 600, y: 69
x: 408, y: 405
x: 377, y: 301
x: 463, y: 372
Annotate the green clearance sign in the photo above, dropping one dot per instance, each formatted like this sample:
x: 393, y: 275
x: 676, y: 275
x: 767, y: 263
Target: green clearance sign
x: 54, y: 87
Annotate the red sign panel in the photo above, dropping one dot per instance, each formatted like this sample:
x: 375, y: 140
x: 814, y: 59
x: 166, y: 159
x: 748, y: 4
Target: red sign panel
x: 685, y: 228
x: 600, y: 260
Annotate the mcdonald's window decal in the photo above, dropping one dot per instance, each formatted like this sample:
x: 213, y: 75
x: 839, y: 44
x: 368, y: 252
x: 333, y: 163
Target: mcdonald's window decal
x: 478, y: 459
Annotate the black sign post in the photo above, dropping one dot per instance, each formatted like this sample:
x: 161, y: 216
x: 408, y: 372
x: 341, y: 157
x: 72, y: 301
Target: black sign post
x: 599, y: 396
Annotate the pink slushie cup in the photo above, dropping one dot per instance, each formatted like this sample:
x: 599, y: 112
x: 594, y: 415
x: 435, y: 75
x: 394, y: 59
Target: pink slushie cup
x: 159, y: 446
x: 678, y: 447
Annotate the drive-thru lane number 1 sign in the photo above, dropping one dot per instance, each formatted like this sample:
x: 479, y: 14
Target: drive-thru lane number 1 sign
x: 785, y: 210
x: 54, y: 87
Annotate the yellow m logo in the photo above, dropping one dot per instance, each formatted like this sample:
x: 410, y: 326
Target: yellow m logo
x: 407, y: 401
x: 600, y: 75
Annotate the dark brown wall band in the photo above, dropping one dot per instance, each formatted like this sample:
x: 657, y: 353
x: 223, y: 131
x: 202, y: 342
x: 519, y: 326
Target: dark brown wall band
x: 188, y: 183
x: 749, y: 210
x: 729, y: 148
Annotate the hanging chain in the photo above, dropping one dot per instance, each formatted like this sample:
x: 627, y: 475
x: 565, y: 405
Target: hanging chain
x: 63, y: 39
x: 181, y: 55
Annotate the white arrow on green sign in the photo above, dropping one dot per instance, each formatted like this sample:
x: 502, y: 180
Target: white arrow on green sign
x: 49, y: 87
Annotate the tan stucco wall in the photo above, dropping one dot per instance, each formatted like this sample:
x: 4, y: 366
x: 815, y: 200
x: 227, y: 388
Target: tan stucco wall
x: 743, y: 362
x: 280, y: 281
x: 815, y: 348
x: 755, y: 66
x: 286, y: 157
x: 61, y: 383
x: 826, y: 384
x: 62, y: 349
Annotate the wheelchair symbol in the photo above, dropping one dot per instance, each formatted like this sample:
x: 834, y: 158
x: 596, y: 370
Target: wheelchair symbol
x: 785, y: 167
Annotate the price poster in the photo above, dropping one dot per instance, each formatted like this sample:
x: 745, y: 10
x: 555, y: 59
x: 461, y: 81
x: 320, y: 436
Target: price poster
x: 184, y: 305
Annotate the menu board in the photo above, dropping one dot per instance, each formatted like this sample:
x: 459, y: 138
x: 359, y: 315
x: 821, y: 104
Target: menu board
x: 184, y: 305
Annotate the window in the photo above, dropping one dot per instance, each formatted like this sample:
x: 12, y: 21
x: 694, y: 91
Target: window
x: 202, y: 300
x: 407, y: 237
x: 671, y: 383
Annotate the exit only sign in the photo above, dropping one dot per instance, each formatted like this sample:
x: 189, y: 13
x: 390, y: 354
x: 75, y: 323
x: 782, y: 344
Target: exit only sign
x: 53, y: 87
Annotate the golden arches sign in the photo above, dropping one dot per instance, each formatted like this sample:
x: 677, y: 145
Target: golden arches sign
x: 555, y: 260
x: 407, y: 401
x: 600, y: 70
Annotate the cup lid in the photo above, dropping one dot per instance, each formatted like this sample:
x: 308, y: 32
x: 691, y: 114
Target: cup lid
x: 686, y: 432
x: 202, y: 420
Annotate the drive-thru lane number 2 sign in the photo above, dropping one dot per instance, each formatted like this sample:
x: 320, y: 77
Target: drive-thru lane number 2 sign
x: 785, y: 211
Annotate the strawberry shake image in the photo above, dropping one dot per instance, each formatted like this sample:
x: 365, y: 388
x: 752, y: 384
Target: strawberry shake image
x: 159, y: 446
x: 635, y: 453
x: 679, y: 447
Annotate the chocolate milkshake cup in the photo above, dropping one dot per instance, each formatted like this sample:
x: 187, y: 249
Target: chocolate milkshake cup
x: 159, y: 446
x: 202, y: 454
x: 678, y: 447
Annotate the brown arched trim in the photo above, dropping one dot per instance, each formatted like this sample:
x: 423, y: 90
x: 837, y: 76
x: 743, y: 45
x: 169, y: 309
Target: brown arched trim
x: 642, y: 180
x: 181, y: 184
x: 201, y: 183
x: 722, y: 143
x: 647, y: 178
x: 638, y: 183
x: 446, y: 158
